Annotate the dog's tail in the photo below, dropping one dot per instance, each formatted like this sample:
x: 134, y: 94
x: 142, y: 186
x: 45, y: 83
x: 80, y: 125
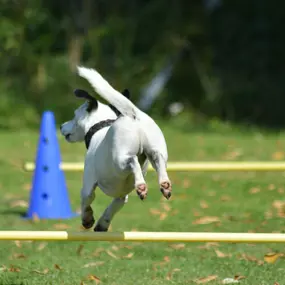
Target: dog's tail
x: 107, y: 92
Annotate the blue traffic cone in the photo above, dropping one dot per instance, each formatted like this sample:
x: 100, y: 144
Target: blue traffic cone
x: 49, y: 196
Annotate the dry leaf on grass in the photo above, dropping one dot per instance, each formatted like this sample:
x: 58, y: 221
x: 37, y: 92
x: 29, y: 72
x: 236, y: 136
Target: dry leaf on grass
x: 280, y: 207
x: 35, y: 218
x: 186, y: 183
x: 272, y: 257
x: 254, y: 190
x: 206, y: 279
x: 44, y: 272
x: 163, y: 216
x: 166, y: 259
x: 41, y: 246
x: 233, y: 154
x: 208, y: 245
x: 126, y: 246
x: 233, y: 280
x: 170, y: 273
x: 281, y: 190
x: 93, y: 264
x: 204, y: 204
x: 268, y: 214
x: 115, y: 248
x: 166, y: 207
x: 61, y: 226
x: 111, y: 254
x: 229, y: 281
x: 12, y: 268
x: 271, y: 187
x: 212, y: 193
x: 18, y: 243
x: 19, y: 203
x: 278, y: 155
x: 226, y: 198
x: 19, y: 256
x: 239, y: 277
x: 174, y: 212
x: 27, y: 186
x: 98, y: 251
x: 56, y: 266
x: 206, y: 220
x: 221, y: 254
x: 177, y: 245
x: 251, y: 258
x: 154, y: 211
x: 129, y: 255
x: 196, y: 213
x: 79, y: 249
x: 94, y: 278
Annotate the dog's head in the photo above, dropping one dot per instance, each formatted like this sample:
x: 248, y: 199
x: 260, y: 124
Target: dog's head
x: 88, y: 114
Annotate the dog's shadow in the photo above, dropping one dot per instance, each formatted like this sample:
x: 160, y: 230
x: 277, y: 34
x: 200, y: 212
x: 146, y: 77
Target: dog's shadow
x: 14, y: 212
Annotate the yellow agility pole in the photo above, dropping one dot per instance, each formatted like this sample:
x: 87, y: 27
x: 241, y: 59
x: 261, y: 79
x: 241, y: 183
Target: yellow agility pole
x: 189, y: 166
x: 144, y: 236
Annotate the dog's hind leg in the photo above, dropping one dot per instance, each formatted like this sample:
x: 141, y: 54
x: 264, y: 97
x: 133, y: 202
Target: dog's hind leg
x: 158, y: 162
x: 106, y: 218
x: 140, y: 184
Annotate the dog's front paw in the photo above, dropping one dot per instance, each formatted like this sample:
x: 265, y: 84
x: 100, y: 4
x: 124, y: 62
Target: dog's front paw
x: 165, y: 188
x: 100, y: 228
x: 88, y: 218
x: 88, y: 223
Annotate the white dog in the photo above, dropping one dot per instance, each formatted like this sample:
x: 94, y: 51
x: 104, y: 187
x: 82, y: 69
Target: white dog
x: 120, y: 141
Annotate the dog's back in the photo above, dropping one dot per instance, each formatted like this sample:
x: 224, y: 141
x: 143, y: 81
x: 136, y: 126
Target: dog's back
x: 152, y: 138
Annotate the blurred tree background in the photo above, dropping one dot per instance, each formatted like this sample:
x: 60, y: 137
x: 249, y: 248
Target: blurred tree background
x: 230, y: 62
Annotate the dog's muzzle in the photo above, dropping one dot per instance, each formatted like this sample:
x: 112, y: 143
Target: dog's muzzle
x: 67, y: 137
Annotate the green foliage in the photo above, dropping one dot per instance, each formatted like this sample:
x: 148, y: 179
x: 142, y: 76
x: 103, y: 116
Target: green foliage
x: 232, y: 71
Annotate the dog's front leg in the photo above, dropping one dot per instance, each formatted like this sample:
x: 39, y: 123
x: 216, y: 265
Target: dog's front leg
x: 106, y: 218
x: 87, y: 197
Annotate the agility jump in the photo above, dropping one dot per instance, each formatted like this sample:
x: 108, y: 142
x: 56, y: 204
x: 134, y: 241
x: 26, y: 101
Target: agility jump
x: 143, y: 236
x: 189, y: 166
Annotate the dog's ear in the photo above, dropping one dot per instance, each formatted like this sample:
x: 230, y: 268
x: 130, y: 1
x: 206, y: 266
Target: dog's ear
x: 93, y: 104
x: 126, y: 93
x: 83, y: 94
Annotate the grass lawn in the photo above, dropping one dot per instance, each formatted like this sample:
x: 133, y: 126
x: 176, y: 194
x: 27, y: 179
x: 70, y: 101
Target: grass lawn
x: 220, y: 202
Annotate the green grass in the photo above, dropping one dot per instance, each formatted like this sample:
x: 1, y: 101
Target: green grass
x: 243, y: 202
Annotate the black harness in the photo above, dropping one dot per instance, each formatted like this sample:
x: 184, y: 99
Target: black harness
x: 95, y: 128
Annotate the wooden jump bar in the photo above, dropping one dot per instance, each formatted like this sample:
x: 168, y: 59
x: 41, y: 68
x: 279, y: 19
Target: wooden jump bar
x: 189, y: 166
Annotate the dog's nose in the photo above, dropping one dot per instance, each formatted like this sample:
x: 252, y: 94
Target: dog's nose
x: 60, y: 127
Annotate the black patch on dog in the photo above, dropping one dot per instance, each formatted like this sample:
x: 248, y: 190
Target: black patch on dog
x: 99, y: 228
x: 92, y: 102
x: 126, y: 93
x: 92, y: 105
x: 95, y: 128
